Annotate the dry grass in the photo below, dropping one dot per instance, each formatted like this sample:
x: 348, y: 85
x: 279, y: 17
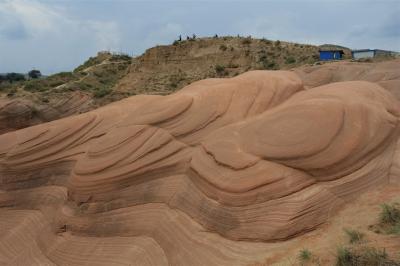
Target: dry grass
x: 365, y: 256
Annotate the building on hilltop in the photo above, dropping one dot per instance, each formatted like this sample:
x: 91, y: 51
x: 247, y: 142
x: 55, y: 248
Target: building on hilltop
x: 330, y: 54
x: 370, y: 53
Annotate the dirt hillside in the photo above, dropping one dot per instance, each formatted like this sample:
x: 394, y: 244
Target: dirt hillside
x: 165, y: 69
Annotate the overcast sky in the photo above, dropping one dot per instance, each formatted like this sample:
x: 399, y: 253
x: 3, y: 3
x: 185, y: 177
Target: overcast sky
x: 59, y: 35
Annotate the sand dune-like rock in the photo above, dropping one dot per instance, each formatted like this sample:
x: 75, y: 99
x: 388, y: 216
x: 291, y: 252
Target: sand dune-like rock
x: 17, y: 113
x: 385, y: 73
x: 178, y: 179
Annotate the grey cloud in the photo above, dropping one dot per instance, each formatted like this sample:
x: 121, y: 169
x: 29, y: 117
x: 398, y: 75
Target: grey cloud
x: 14, y: 32
x: 77, y: 29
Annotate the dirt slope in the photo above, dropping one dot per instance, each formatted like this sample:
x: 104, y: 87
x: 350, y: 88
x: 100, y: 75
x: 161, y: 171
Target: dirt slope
x: 164, y: 69
x: 223, y: 172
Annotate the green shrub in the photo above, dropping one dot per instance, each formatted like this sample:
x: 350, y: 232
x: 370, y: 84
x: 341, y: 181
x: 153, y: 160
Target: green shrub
x: 305, y: 255
x: 263, y: 58
x: 34, y: 74
x: 120, y: 57
x: 389, y: 219
x: 344, y: 257
x: 173, y: 85
x: 100, y: 93
x: 290, y: 60
x: 62, y: 75
x: 354, y: 236
x: 55, y: 83
x: 219, y: 69
x: 271, y: 65
x: 32, y: 86
x: 390, y: 214
x: 12, y: 77
x: 373, y: 256
x: 233, y: 65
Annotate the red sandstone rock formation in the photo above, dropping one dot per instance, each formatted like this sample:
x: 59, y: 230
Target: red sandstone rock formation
x: 182, y: 177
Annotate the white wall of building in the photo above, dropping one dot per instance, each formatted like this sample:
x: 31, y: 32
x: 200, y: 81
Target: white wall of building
x: 366, y: 54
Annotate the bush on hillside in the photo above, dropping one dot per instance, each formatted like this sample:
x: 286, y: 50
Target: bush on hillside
x: 34, y: 74
x: 220, y: 70
x: 100, y: 93
x: 13, y: 77
x: 389, y: 218
x: 290, y: 60
x: 247, y: 41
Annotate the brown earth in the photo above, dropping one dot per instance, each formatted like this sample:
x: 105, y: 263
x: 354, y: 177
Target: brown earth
x: 165, y: 69
x: 234, y: 171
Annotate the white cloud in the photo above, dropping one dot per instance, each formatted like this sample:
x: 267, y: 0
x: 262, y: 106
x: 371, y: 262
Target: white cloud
x: 41, y: 21
x: 107, y: 34
x: 165, y: 33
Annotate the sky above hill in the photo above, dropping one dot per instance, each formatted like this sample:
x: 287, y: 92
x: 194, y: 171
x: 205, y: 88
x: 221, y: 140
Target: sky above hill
x: 58, y: 35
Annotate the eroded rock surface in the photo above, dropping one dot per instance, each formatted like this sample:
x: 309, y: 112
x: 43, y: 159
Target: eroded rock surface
x: 178, y: 179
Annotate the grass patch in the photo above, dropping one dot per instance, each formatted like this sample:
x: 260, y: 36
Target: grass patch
x: 366, y: 256
x: 305, y: 255
x: 354, y: 236
x: 390, y: 214
x: 389, y: 219
x: 344, y: 257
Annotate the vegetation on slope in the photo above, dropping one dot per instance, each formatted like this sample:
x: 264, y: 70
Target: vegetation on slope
x: 164, y: 69
x: 97, y: 76
x: 389, y: 219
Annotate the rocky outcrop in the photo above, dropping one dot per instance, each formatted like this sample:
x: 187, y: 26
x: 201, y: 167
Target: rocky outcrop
x: 385, y: 73
x: 17, y: 113
x: 182, y: 178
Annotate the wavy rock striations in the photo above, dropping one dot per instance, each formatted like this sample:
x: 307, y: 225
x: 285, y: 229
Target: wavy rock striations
x: 158, y: 180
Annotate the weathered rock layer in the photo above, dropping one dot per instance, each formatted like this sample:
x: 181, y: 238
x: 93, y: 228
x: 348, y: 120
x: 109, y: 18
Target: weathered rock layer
x: 181, y: 177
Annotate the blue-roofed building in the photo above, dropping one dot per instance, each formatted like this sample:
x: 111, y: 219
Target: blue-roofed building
x: 330, y: 54
x: 325, y: 55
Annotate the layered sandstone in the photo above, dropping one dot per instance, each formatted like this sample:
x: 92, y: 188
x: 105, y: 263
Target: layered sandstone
x: 178, y: 179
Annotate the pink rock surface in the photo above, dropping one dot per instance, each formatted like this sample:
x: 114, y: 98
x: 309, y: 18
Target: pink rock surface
x: 181, y: 177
